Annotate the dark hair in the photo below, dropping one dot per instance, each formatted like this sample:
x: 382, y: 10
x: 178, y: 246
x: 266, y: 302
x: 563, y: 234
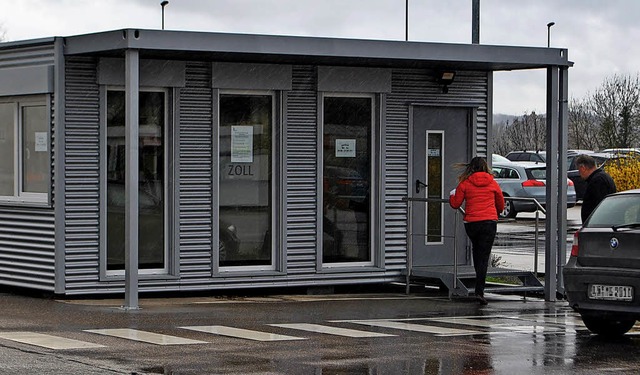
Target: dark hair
x: 477, y: 164
x: 586, y: 161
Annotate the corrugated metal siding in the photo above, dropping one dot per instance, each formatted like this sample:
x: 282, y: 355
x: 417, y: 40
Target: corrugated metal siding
x: 27, y: 235
x: 27, y: 245
x: 195, y: 190
x: 195, y: 174
x: 82, y: 175
x: 301, y: 165
x: 419, y: 87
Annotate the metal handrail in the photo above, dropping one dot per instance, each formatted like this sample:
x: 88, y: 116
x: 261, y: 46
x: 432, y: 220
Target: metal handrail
x: 410, y: 234
x: 537, y: 231
x: 410, y: 238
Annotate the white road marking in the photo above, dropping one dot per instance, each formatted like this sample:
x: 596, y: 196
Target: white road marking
x: 242, y: 333
x: 331, y: 330
x: 439, y: 331
x: 47, y: 341
x: 148, y: 337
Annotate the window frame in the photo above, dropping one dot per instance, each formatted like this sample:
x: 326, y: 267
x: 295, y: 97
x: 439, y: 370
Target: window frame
x: 375, y: 120
x: 21, y: 197
x: 275, y: 160
x: 169, y: 100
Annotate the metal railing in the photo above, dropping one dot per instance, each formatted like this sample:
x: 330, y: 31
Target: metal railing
x: 410, y: 234
x: 537, y: 226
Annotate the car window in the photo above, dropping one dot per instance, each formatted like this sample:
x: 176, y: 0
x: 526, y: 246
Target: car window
x: 503, y: 172
x: 616, y: 210
x: 571, y: 165
x: 537, y: 173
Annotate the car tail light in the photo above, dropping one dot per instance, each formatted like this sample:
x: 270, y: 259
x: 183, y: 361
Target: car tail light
x: 574, y: 246
x: 532, y: 182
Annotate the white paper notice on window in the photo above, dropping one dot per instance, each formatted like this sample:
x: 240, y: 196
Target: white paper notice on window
x: 41, y: 141
x: 242, y: 144
x: 345, y: 148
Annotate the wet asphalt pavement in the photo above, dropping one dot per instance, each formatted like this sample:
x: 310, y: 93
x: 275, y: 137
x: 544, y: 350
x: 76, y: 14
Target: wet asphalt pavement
x: 365, y: 331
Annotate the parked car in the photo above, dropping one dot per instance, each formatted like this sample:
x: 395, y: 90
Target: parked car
x: 602, y: 276
x: 540, y: 156
x: 347, y: 186
x: 623, y: 151
x: 536, y: 156
x: 525, y: 180
x: 495, y: 158
x: 574, y: 175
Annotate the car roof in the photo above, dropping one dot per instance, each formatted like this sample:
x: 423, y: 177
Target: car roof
x: 523, y: 164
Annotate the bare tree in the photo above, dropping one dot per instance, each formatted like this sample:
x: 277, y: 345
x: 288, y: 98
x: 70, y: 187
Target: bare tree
x: 582, y: 127
x: 501, y: 142
x: 527, y: 132
x: 616, y: 108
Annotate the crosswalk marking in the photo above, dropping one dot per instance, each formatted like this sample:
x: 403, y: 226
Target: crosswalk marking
x: 149, y: 337
x: 535, y: 324
x: 47, y: 341
x: 331, y: 330
x: 439, y: 331
x: 497, y: 322
x: 242, y: 333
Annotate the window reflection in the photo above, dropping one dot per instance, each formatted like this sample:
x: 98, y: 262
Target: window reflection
x: 35, y: 155
x: 346, y: 179
x: 434, y: 186
x: 7, y: 174
x: 245, y: 205
x: 151, y: 198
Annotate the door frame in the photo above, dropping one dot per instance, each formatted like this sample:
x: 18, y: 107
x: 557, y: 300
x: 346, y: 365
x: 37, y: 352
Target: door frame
x: 471, y: 146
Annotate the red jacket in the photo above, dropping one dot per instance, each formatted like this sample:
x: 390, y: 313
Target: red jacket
x: 483, y: 196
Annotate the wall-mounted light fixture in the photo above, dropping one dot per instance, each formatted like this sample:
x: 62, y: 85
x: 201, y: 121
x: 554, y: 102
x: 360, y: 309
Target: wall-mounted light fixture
x: 445, y: 78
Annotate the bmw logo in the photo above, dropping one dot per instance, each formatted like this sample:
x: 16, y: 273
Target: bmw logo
x: 613, y: 242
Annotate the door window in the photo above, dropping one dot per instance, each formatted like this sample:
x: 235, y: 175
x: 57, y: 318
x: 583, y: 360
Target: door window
x: 434, y: 173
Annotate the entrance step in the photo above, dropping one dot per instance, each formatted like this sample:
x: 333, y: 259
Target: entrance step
x: 463, y: 285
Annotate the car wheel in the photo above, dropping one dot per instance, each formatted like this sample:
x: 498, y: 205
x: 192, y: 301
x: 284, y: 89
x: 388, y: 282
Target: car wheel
x: 509, y: 211
x: 609, y: 326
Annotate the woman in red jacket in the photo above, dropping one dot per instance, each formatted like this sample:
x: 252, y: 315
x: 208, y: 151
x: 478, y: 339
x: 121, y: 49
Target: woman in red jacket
x: 484, y: 200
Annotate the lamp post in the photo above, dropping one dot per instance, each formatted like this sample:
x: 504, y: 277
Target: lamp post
x: 549, y: 33
x: 406, y: 20
x: 163, y: 4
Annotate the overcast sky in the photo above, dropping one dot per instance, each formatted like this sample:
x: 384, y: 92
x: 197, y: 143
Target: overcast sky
x: 602, y: 36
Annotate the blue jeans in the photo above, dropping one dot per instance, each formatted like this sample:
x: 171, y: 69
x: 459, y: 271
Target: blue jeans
x: 481, y: 234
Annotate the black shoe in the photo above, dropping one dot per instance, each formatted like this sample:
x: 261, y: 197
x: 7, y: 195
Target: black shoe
x: 481, y: 300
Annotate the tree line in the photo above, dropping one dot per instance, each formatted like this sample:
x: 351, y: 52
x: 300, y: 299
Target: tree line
x: 607, y: 118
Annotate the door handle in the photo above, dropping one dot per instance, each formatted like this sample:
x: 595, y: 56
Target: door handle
x: 420, y: 184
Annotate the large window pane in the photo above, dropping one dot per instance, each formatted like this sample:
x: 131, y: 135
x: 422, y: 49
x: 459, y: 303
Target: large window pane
x: 151, y: 204
x: 35, y: 152
x: 347, y: 179
x: 245, y: 205
x: 7, y: 126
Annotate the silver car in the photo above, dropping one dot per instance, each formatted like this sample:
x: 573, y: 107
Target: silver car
x: 602, y: 276
x: 525, y: 180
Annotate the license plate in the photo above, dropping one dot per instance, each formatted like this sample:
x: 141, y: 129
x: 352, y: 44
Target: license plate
x: 611, y: 292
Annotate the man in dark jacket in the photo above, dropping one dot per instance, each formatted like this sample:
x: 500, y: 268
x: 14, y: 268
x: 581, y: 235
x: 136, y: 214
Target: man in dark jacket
x: 599, y: 184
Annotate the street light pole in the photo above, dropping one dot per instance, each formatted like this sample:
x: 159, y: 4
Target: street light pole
x: 549, y: 33
x: 163, y: 4
x: 406, y: 20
